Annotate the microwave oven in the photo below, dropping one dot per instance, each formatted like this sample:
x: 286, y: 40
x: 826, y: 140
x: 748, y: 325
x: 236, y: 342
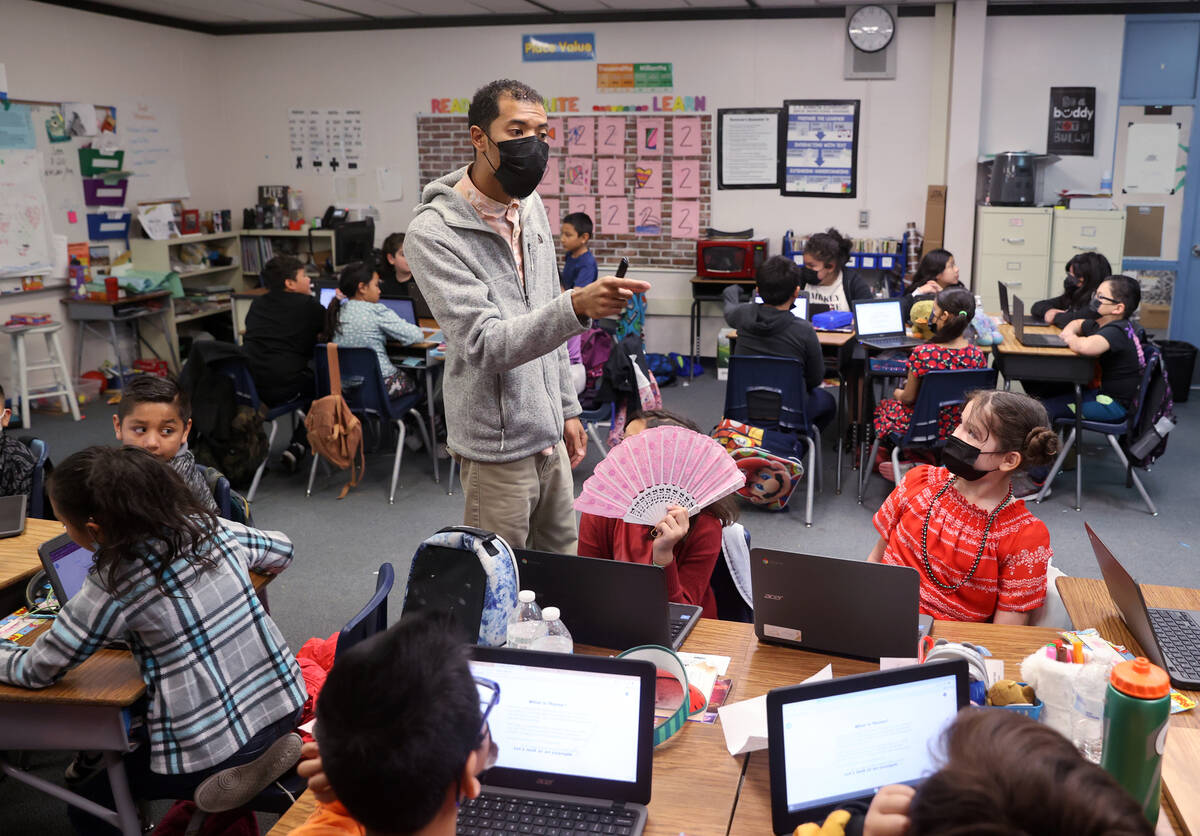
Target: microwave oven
x: 726, y: 259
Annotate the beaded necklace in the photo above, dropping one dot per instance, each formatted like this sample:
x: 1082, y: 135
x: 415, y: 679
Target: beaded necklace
x: 982, y: 540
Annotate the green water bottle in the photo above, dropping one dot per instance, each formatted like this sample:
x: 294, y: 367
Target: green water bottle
x: 1137, y: 706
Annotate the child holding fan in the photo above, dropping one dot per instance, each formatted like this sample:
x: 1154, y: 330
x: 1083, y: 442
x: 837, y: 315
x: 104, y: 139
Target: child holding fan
x: 981, y: 555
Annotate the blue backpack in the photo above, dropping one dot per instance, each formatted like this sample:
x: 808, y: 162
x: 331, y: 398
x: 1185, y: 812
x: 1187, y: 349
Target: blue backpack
x: 469, y: 573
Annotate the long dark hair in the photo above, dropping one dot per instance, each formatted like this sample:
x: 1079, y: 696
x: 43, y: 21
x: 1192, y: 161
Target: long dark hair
x: 145, y: 511
x: 960, y: 304
x: 1091, y: 269
x: 354, y: 274
x: 724, y: 509
x: 829, y: 247
x: 932, y: 265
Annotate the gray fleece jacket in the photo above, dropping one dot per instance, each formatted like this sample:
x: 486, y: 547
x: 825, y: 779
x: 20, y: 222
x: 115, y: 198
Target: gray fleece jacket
x: 508, y: 384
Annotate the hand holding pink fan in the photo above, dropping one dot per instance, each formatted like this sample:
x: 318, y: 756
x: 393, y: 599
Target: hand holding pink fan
x: 649, y: 472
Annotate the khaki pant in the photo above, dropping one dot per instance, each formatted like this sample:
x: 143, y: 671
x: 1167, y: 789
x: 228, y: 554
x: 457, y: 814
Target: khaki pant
x: 529, y: 502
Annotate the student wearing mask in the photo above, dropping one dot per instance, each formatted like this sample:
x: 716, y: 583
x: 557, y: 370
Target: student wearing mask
x: 827, y: 279
x: 1085, y: 271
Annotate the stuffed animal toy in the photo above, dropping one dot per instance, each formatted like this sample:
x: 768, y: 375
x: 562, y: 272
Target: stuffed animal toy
x: 1010, y: 692
x: 919, y: 316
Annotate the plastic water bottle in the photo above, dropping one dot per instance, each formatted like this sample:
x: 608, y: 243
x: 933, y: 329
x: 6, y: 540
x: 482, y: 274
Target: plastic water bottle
x: 525, y: 624
x: 556, y: 639
x: 1136, y: 709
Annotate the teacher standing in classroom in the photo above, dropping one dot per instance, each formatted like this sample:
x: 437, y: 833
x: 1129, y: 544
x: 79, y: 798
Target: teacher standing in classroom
x: 483, y: 255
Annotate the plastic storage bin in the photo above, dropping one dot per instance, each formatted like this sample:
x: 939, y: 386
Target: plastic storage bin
x: 98, y: 192
x: 105, y: 226
x: 94, y: 164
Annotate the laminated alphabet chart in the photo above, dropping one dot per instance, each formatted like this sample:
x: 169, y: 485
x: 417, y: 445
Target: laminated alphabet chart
x: 644, y: 179
x: 821, y: 148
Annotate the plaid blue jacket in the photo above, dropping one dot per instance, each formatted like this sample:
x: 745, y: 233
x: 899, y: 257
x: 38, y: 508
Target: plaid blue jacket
x: 216, y: 667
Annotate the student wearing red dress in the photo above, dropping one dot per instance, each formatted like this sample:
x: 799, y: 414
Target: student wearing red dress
x: 981, y: 555
x: 686, y: 548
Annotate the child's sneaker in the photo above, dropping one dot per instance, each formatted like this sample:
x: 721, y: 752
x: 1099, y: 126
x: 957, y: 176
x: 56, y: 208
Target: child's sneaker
x: 292, y: 457
x: 85, y: 765
x: 234, y: 787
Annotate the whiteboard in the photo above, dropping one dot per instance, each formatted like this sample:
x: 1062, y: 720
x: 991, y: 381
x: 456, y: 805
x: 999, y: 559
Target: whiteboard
x: 26, y: 244
x: 149, y: 132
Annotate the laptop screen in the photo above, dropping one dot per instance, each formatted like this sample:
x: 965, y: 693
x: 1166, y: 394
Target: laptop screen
x: 327, y: 295
x: 874, y: 318
x: 403, y: 308
x: 848, y: 745
x: 799, y: 307
x: 71, y: 563
x: 548, y: 721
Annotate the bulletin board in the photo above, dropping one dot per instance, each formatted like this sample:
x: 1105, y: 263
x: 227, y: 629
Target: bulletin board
x: 644, y: 178
x: 1169, y: 195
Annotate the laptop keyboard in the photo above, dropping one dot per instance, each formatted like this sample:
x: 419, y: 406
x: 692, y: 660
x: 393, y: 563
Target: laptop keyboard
x: 496, y: 814
x: 885, y: 342
x: 1179, y: 638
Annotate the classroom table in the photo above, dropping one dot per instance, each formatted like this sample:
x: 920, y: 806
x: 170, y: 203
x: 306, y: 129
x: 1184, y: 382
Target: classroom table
x: 1089, y: 605
x: 126, y: 309
x: 1054, y: 365
x: 19, y: 560
x: 706, y: 290
x: 86, y: 710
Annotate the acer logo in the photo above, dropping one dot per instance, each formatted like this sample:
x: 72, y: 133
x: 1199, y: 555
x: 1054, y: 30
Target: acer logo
x: 771, y: 597
x: 545, y: 782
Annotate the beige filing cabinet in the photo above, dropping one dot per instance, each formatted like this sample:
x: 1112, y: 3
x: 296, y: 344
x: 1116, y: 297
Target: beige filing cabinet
x: 1084, y: 230
x: 1012, y: 245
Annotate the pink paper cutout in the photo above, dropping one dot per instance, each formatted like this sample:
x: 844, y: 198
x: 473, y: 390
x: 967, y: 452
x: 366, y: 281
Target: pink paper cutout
x: 72, y: 218
x: 553, y: 214
x: 554, y: 130
x: 647, y: 217
x: 610, y: 135
x: 685, y: 178
x: 549, y: 184
x: 577, y: 175
x: 647, y: 178
x: 651, y: 135
x: 610, y: 175
x: 685, y: 219
x: 586, y: 205
x: 581, y: 135
x: 614, y: 216
x: 686, y: 133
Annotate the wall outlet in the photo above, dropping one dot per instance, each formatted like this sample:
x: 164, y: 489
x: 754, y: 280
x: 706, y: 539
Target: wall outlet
x: 864, y: 219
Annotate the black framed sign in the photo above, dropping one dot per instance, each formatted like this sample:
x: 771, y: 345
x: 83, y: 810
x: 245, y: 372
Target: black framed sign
x: 748, y: 148
x: 818, y: 142
x: 1072, y: 129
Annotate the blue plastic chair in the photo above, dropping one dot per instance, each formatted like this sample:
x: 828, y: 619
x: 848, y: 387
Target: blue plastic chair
x: 370, y: 398
x: 1114, y: 431
x: 37, y: 490
x: 771, y: 393
x: 220, y: 491
x: 372, y: 618
x: 938, y: 389
x: 247, y: 395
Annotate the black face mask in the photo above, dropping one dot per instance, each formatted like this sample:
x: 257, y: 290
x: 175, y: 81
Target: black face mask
x: 522, y: 164
x: 959, y: 458
x: 1071, y: 284
x: 933, y: 325
x: 809, y: 276
x: 1094, y: 305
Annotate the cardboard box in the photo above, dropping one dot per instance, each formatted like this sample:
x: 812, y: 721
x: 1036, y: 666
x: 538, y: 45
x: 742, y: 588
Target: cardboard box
x: 1155, y: 317
x: 935, y: 218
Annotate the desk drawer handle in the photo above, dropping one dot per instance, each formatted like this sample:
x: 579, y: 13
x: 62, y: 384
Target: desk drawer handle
x: 1013, y: 240
x: 1091, y: 249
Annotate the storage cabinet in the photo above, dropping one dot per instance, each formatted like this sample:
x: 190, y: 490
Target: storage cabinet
x: 1083, y: 230
x: 1012, y: 245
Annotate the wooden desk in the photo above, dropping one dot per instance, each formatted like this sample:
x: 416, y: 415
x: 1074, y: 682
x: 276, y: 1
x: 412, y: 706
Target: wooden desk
x: 1089, y: 605
x: 19, y: 559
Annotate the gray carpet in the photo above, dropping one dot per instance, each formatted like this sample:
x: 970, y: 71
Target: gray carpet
x: 340, y: 544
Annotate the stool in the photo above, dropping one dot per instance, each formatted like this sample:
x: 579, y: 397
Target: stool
x: 62, y: 386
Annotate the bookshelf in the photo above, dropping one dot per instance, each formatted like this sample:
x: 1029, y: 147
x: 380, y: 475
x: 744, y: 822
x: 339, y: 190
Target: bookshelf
x: 258, y: 246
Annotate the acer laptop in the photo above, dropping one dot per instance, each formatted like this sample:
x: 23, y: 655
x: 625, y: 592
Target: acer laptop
x: 832, y: 605
x: 879, y: 323
x: 1004, y: 311
x: 607, y: 603
x: 837, y: 742
x: 12, y: 515
x: 1169, y: 638
x: 575, y: 742
x: 66, y: 564
x: 1031, y: 340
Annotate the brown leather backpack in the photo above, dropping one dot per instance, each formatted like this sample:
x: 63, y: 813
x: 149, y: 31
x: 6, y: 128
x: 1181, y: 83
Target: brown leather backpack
x: 335, y: 432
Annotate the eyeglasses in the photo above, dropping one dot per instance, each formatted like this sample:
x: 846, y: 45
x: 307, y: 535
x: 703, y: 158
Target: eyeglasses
x: 489, y: 698
x: 1105, y: 299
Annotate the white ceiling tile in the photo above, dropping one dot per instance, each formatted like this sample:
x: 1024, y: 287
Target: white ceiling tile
x: 509, y: 7
x: 719, y: 4
x: 374, y: 8
x: 181, y: 9
x: 639, y: 5
x: 575, y: 5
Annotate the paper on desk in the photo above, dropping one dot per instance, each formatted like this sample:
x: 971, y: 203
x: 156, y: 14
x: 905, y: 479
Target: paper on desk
x: 995, y: 667
x: 745, y: 723
x: 703, y: 670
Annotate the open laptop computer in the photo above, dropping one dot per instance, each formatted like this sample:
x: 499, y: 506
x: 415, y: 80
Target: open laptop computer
x: 587, y: 591
x: 1004, y: 310
x: 879, y: 323
x: 832, y: 605
x: 1169, y: 638
x: 1032, y: 340
x: 12, y: 515
x: 66, y: 564
x: 403, y: 308
x: 799, y: 307
x: 585, y: 753
x: 838, y: 741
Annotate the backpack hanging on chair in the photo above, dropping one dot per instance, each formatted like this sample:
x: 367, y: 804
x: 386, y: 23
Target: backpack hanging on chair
x: 335, y: 432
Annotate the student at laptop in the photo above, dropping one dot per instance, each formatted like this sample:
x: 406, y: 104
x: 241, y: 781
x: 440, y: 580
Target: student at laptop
x: 155, y: 414
x: 171, y: 580
x: 396, y: 278
x: 936, y: 272
x: 363, y: 322
x: 687, y: 548
x: 826, y: 277
x: 16, y: 461
x: 771, y: 329
x: 1085, y: 272
x: 398, y: 759
x: 1002, y: 774
x: 947, y: 350
x: 980, y: 553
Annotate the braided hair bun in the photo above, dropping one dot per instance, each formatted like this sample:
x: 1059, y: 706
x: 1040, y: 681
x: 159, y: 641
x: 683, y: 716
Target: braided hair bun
x: 1041, y: 446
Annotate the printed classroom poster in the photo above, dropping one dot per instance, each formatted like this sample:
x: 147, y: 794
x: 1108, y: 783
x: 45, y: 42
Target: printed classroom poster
x: 820, y: 151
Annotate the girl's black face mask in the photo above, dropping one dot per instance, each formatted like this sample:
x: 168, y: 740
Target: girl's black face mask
x: 1071, y: 284
x: 522, y: 164
x: 959, y: 458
